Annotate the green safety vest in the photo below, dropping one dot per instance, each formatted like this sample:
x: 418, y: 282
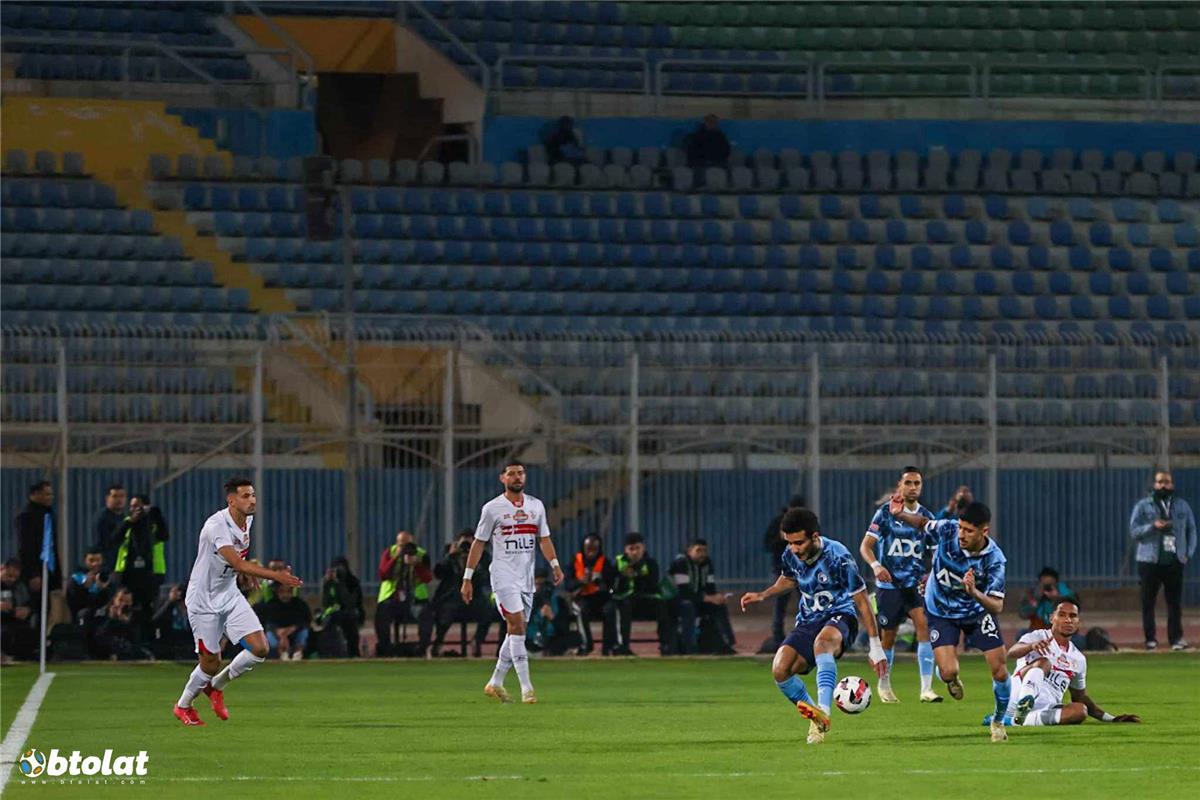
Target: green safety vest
x: 159, y: 555
x: 642, y: 568
x: 387, y: 588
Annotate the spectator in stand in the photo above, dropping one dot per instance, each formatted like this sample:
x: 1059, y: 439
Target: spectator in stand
x: 565, y: 142
x: 286, y: 619
x: 111, y: 517
x: 636, y: 594
x: 698, y: 601
x: 342, y: 603
x: 773, y: 543
x: 404, y: 575
x: 1164, y: 528
x: 117, y: 633
x: 18, y: 638
x: 708, y: 146
x: 172, y: 631
x: 549, y: 630
x: 139, y: 541
x: 586, y: 588
x: 957, y: 503
x: 447, y: 606
x: 28, y: 527
x: 89, y: 588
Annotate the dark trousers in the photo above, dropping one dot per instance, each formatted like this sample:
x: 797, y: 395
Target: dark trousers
x: 619, y: 614
x: 143, y: 585
x: 347, y: 623
x: 587, y: 608
x: 1170, y: 578
x: 447, y: 611
x: 389, y: 612
x: 689, y: 612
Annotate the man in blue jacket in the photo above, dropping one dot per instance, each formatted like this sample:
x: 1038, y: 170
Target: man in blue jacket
x: 1165, y: 531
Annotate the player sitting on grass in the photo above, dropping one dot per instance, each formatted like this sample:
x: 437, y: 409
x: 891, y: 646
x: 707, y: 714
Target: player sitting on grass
x: 831, y: 594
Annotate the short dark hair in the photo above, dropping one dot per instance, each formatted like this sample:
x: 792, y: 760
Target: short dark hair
x: 976, y: 514
x: 633, y: 537
x: 1073, y: 601
x: 233, y: 484
x: 698, y: 542
x: 910, y: 468
x: 113, y: 487
x: 34, y: 488
x: 512, y: 462
x: 800, y: 519
x: 94, y: 550
x: 1051, y: 571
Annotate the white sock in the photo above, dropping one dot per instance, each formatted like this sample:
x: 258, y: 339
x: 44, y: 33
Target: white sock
x: 1047, y: 716
x: 886, y: 681
x: 926, y: 683
x: 1033, y: 677
x: 242, y: 663
x: 520, y: 659
x: 195, y: 683
x: 503, y: 663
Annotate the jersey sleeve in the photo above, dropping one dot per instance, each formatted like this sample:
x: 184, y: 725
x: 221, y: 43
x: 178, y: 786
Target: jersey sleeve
x: 483, y: 531
x: 941, y: 530
x: 854, y: 581
x: 994, y: 586
x: 544, y: 525
x: 219, y: 534
x: 1079, y: 679
x: 874, y: 530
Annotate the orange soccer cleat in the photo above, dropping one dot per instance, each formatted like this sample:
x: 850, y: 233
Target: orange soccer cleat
x: 217, y: 698
x: 187, y: 716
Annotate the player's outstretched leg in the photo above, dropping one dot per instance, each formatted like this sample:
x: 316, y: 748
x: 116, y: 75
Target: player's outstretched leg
x: 947, y: 669
x: 249, y: 658
x: 208, y: 666
x: 784, y: 668
x: 1029, y: 682
x: 1000, y: 690
x: 925, y: 665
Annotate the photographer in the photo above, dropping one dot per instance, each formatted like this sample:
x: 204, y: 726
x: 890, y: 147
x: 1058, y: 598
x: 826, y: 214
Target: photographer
x: 140, y: 554
x: 549, y: 629
x: 18, y: 638
x: 1165, y: 531
x: 1039, y: 603
x: 587, y: 589
x: 172, y: 631
x: 89, y: 588
x: 405, y: 580
x: 117, y: 632
x: 957, y: 503
x: 342, y: 603
x: 447, y: 606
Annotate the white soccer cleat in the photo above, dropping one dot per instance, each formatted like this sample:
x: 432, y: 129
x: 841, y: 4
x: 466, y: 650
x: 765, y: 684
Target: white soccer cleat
x: 497, y: 693
x: 998, y: 732
x: 955, y: 688
x: 887, y: 695
x: 930, y: 696
x: 529, y: 698
x: 815, y: 734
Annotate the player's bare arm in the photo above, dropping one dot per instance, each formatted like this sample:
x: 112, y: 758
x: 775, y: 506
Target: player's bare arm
x: 866, y: 549
x: 548, y: 551
x: 993, y: 605
x: 914, y: 521
x: 782, y: 585
x: 241, y: 565
x: 1096, y: 712
x: 866, y: 617
x: 1022, y: 649
x: 467, y: 590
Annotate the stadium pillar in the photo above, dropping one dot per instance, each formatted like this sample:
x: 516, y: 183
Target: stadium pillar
x: 993, y: 457
x: 448, y: 457
x: 256, y: 410
x: 64, y: 499
x: 1164, y: 415
x: 352, y: 450
x: 814, y: 432
x: 634, y: 450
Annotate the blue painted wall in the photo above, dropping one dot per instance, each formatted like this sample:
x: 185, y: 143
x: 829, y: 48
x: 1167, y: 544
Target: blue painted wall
x: 279, y: 133
x: 506, y: 137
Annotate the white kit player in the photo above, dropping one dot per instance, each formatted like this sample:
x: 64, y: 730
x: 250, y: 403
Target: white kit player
x: 1048, y: 666
x: 216, y: 608
x: 516, y: 525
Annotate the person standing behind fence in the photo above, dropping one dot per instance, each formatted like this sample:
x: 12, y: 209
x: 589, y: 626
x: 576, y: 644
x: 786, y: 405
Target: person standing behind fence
x: 29, y: 528
x: 1164, y: 528
x: 111, y: 517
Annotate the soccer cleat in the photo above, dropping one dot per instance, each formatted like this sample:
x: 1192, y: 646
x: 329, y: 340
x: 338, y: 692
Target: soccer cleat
x: 187, y: 716
x: 1182, y: 644
x: 814, y: 715
x: 216, y: 698
x: 887, y: 695
x: 1151, y: 645
x: 497, y: 692
x: 998, y: 732
x: 955, y: 688
x: 1024, y: 706
x: 815, y: 734
x: 930, y: 696
x: 529, y: 698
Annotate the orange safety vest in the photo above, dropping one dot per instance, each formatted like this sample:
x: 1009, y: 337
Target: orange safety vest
x: 581, y: 572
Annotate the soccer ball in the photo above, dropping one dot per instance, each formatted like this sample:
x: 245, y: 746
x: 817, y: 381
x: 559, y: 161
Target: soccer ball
x: 852, y: 695
x: 32, y: 763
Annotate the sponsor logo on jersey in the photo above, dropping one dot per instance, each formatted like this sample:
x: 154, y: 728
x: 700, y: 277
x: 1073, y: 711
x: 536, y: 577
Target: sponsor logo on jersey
x: 520, y: 515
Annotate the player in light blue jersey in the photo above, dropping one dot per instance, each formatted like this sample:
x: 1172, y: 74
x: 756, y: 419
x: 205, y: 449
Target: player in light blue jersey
x: 964, y: 597
x: 833, y: 600
x: 896, y: 554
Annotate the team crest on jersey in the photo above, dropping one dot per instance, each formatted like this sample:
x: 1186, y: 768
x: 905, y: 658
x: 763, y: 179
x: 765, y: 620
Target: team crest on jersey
x: 822, y: 577
x: 520, y: 515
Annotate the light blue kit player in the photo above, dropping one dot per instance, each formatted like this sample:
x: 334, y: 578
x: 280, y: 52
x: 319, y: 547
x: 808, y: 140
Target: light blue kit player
x: 964, y: 597
x: 833, y: 601
x: 896, y: 554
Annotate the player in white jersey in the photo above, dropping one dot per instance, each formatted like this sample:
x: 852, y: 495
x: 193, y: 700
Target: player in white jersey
x: 216, y: 608
x: 1048, y: 666
x: 516, y: 525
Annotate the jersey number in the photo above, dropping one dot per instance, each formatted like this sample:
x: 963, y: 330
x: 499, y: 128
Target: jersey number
x: 817, y: 602
x: 987, y: 625
x: 903, y: 548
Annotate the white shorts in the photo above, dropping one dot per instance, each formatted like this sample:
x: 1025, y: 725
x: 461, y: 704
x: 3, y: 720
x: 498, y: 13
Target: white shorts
x: 509, y: 599
x: 238, y: 622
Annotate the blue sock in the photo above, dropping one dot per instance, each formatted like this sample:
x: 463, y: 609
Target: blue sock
x: 794, y: 689
x: 1001, y: 690
x: 826, y: 680
x: 925, y: 658
x: 891, y: 656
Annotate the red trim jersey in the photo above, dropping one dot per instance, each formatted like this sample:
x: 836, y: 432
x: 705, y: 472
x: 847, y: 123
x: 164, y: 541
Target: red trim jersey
x: 513, y: 530
x: 212, y: 588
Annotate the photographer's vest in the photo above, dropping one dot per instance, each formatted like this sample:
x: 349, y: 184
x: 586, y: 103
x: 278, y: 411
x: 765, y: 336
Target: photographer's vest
x: 159, y: 558
x: 581, y: 572
x: 640, y: 570
x: 387, y: 588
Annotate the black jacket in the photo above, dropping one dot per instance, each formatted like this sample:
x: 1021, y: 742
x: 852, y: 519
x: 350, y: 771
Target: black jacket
x: 692, y: 581
x: 644, y: 581
x: 27, y: 529
x: 104, y: 530
x: 449, y: 572
x: 707, y: 148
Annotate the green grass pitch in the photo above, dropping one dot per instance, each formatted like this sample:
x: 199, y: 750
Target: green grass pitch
x: 603, y: 729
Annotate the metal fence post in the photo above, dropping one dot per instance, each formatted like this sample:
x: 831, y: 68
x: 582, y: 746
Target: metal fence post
x: 814, y: 432
x: 352, y: 451
x: 993, y: 456
x: 256, y: 411
x: 448, y: 457
x: 634, y: 454
x: 1164, y: 414
x: 64, y: 485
